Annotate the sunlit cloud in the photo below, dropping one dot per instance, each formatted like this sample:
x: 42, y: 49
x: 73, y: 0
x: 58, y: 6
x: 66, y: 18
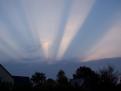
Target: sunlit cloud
x: 46, y: 47
x: 44, y: 17
x: 15, y: 35
x: 7, y: 45
x: 45, y: 29
x: 79, y: 11
x: 109, y: 45
x: 13, y: 17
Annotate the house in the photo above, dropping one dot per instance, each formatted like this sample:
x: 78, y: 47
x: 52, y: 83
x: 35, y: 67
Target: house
x: 5, y: 76
x: 6, y: 80
x: 13, y: 82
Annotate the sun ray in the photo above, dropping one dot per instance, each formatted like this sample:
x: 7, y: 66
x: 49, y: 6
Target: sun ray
x: 109, y: 45
x: 44, y: 21
x: 7, y: 45
x: 78, y: 14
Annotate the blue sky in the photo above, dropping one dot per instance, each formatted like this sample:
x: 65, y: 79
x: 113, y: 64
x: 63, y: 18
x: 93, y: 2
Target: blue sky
x: 53, y: 30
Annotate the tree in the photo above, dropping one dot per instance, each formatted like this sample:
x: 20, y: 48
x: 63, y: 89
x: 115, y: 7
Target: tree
x: 38, y: 79
x: 86, y: 78
x: 50, y: 84
x: 62, y: 80
x: 108, y: 77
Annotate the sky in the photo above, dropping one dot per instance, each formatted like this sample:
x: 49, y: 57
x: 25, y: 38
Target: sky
x: 49, y: 31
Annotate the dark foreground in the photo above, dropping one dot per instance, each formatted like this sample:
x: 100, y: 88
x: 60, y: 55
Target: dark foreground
x: 84, y: 79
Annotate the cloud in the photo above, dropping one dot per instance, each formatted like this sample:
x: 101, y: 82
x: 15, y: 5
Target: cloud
x: 8, y: 46
x: 79, y: 11
x: 44, y: 17
x: 34, y: 28
x: 109, y: 45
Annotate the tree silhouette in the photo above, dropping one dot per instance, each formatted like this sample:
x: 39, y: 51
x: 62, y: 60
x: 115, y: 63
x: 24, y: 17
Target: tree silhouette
x: 50, y: 84
x: 119, y: 84
x: 86, y: 78
x: 38, y: 79
x: 62, y: 80
x: 108, y: 78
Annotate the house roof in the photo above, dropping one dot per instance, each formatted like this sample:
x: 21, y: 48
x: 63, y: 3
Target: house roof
x: 5, y: 70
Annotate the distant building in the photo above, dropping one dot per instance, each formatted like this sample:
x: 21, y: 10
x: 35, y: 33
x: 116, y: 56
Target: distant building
x: 21, y: 82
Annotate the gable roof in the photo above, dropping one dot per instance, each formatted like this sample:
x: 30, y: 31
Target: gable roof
x: 5, y: 70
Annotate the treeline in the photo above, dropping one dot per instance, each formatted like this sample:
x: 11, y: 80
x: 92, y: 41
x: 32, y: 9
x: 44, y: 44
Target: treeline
x: 84, y: 79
